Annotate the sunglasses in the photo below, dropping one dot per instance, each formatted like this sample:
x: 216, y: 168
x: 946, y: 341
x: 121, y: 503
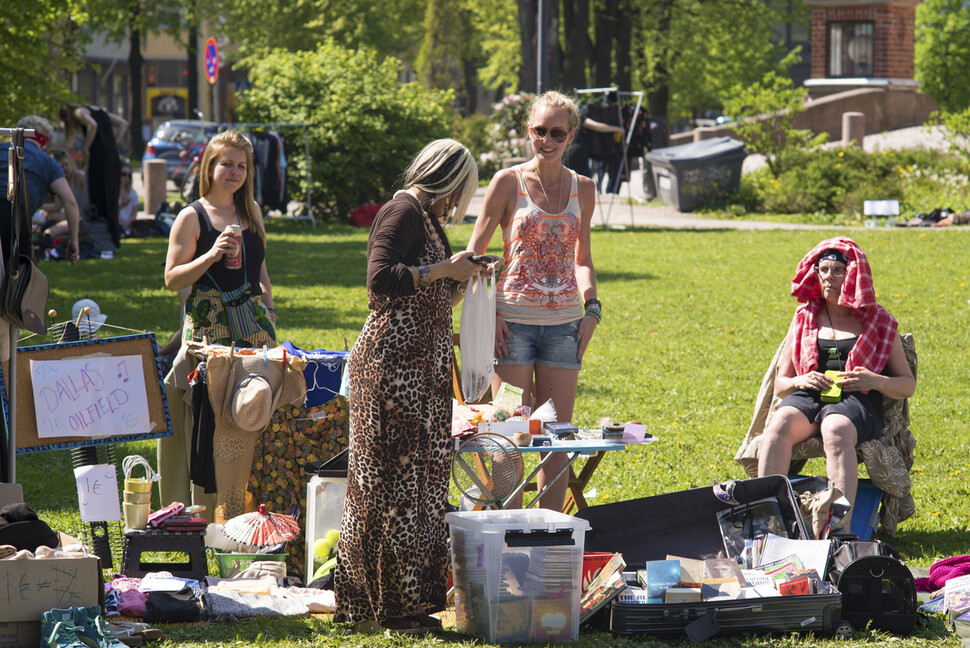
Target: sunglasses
x: 558, y: 134
x: 125, y: 175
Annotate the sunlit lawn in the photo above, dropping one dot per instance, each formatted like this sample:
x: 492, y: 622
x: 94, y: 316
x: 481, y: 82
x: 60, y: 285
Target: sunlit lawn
x: 691, y: 320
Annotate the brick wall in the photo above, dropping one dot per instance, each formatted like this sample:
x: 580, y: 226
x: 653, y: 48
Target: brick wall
x: 893, y: 37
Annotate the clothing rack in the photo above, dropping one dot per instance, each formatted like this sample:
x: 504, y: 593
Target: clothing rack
x: 306, y: 152
x: 626, y: 145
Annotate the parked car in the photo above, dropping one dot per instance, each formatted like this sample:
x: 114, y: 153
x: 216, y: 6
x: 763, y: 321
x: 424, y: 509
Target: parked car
x: 178, y: 142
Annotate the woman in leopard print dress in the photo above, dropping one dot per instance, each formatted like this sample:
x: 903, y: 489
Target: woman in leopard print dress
x: 392, y: 554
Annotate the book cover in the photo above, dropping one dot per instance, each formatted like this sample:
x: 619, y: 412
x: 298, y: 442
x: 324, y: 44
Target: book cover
x: 797, y: 586
x: 658, y: 576
x: 756, y: 578
x: 551, y: 619
x: 633, y: 596
x: 604, y: 587
x: 784, y: 569
x: 721, y: 591
x: 723, y: 569
x: 956, y: 594
x: 691, y: 571
x: 933, y: 606
x: 593, y: 562
x: 683, y: 595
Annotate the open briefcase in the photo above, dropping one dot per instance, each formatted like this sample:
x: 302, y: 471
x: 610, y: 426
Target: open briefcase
x: 685, y: 524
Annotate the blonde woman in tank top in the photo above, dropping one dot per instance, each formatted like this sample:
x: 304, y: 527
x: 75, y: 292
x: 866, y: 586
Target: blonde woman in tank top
x: 546, y: 298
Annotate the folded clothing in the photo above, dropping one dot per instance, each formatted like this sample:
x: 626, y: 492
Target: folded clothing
x: 172, y: 607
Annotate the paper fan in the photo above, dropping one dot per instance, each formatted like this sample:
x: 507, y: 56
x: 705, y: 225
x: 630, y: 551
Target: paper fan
x: 262, y: 527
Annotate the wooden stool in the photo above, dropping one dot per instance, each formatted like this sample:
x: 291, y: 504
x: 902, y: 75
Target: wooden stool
x: 191, y: 543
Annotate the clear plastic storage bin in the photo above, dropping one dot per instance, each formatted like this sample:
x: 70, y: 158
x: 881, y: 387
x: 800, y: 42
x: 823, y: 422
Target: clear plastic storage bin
x: 325, y: 497
x: 517, y: 573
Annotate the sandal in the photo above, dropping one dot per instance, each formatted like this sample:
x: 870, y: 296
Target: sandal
x: 402, y: 625
x: 427, y: 621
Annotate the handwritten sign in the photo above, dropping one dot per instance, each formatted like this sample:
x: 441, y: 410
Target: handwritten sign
x: 97, y: 493
x: 90, y: 397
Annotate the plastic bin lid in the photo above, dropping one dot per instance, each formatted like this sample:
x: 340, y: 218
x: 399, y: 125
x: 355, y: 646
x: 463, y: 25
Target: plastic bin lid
x: 702, y: 150
x: 335, y: 467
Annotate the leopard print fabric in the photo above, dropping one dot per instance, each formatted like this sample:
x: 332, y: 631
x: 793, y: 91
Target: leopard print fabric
x: 392, y: 554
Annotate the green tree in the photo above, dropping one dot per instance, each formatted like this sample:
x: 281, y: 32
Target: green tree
x: 497, y: 25
x: 694, y: 52
x: 765, y: 112
x: 391, y: 27
x: 450, y: 50
x: 942, y: 56
x: 40, y: 44
x: 366, y: 125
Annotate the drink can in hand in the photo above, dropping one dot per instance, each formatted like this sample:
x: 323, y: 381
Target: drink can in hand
x: 235, y: 261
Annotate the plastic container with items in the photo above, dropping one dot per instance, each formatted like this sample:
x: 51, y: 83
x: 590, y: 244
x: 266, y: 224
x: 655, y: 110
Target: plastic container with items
x: 695, y: 174
x: 326, y: 492
x: 517, y: 574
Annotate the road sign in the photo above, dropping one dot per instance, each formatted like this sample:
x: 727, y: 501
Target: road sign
x: 211, y: 61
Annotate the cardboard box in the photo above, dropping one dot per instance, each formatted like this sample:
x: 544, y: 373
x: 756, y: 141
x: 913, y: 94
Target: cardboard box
x: 505, y: 428
x: 28, y: 588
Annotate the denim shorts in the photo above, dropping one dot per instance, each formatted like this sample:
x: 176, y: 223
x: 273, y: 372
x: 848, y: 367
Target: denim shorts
x: 553, y: 345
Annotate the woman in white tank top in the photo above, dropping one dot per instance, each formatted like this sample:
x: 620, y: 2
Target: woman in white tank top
x: 546, y: 298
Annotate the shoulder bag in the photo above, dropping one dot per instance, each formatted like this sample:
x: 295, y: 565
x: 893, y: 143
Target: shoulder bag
x: 25, y: 289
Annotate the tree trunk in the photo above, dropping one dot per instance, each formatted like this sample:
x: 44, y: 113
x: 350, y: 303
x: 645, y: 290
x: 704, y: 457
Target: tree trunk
x: 575, y: 19
x: 470, y: 81
x: 553, y: 51
x: 528, y: 13
x: 659, y: 96
x: 192, y: 63
x: 605, y: 27
x: 135, y: 64
x: 624, y: 45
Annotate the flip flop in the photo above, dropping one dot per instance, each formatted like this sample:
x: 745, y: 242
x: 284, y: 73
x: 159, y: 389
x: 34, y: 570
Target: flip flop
x: 402, y: 625
x: 426, y: 621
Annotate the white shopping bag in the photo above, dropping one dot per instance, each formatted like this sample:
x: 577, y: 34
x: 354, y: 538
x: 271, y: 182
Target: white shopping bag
x: 477, y: 333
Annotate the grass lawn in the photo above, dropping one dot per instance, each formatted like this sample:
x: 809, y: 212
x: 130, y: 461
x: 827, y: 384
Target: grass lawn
x: 691, y: 320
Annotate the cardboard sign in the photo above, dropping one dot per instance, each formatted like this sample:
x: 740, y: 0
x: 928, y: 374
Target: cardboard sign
x: 90, y: 397
x: 97, y: 493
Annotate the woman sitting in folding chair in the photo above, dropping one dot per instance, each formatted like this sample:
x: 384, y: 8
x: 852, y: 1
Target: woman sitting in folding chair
x: 842, y: 353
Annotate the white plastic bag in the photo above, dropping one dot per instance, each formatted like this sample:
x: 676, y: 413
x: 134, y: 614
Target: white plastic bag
x: 477, y: 332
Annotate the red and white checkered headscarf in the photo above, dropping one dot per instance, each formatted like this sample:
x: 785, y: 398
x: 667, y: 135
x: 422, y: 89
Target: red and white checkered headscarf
x: 878, y: 327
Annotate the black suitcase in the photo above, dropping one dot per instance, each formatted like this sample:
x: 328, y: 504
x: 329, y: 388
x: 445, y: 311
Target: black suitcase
x: 685, y: 524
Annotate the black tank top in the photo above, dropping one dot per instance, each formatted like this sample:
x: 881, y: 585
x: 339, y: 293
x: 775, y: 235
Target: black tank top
x: 832, y: 354
x: 226, y: 278
x: 104, y: 138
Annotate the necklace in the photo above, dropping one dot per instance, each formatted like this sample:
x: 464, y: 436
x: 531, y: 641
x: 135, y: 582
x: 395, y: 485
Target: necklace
x: 545, y: 195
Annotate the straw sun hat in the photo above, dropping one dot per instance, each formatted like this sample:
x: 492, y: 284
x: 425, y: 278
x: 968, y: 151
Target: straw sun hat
x: 251, y: 390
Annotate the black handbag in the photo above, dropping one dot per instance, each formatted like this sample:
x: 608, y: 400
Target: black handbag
x: 25, y: 289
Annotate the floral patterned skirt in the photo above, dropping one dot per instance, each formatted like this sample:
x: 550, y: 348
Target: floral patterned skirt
x: 205, y: 315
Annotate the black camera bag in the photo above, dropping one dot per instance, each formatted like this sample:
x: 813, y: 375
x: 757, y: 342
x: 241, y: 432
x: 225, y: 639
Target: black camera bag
x: 877, y: 588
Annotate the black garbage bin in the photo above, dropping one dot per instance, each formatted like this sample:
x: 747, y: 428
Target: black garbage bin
x: 689, y: 174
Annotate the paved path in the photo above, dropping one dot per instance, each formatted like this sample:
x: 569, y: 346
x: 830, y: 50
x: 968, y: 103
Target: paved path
x: 621, y: 213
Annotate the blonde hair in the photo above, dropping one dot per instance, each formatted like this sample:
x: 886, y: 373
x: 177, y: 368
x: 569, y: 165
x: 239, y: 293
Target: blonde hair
x: 249, y: 212
x: 72, y: 127
x: 445, y: 168
x: 40, y: 125
x: 559, y: 101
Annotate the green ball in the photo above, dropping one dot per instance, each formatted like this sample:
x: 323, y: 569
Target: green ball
x: 321, y: 548
x: 332, y: 537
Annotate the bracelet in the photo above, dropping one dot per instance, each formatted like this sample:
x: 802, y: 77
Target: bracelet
x: 592, y: 301
x: 594, y: 310
x: 424, y: 276
x: 458, y: 286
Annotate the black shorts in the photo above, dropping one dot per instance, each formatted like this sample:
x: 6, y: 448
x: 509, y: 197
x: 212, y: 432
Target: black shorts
x: 864, y: 411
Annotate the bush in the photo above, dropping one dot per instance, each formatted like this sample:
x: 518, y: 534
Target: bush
x: 840, y: 180
x: 506, y: 135
x: 366, y: 125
